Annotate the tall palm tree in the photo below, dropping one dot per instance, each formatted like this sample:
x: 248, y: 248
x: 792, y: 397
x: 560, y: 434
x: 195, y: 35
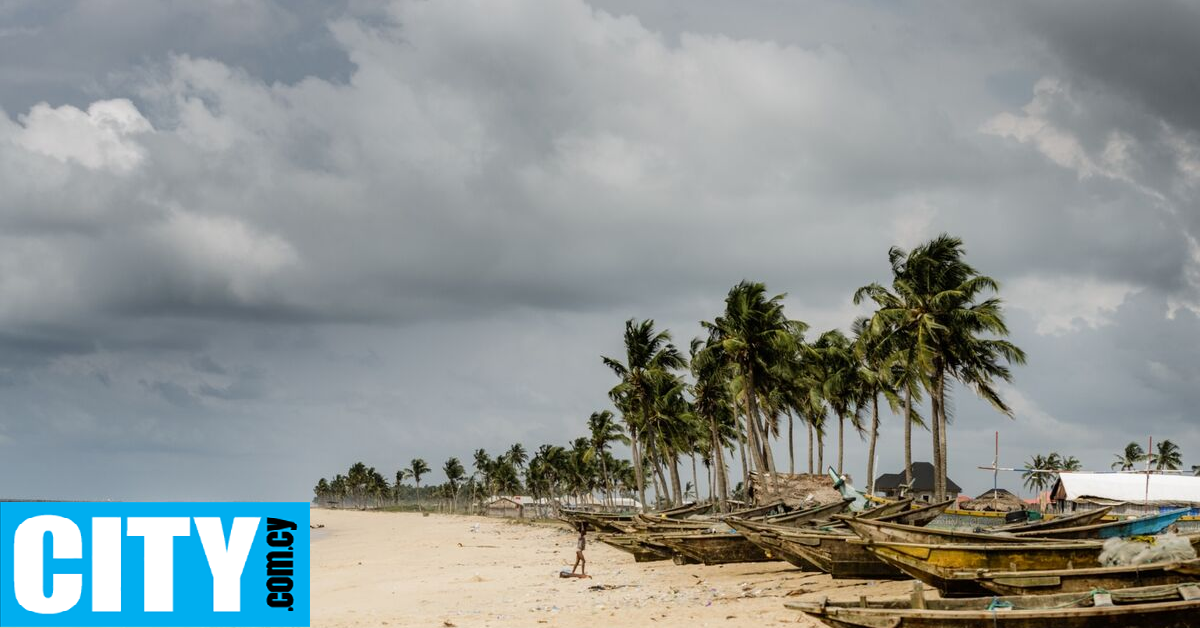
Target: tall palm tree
x: 1127, y: 460
x: 1035, y: 476
x: 836, y: 373
x: 415, y: 470
x: 604, y: 429
x: 648, y: 355
x: 753, y: 338
x: 516, y: 455
x: 713, y: 406
x: 935, y: 298
x: 454, y: 476
x: 1167, y: 457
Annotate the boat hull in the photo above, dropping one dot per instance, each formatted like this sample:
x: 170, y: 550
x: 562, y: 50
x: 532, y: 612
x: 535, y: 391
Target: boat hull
x: 1149, y: 525
x: 835, y: 556
x: 1084, y: 580
x: 716, y: 549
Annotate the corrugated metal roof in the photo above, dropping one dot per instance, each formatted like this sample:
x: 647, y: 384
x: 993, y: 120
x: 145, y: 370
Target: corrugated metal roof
x: 1129, y: 487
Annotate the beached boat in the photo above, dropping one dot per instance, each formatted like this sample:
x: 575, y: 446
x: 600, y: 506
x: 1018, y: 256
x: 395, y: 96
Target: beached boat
x: 1082, y: 580
x: 1142, y: 526
x: 951, y: 567
x: 884, y: 531
x: 919, y: 517
x: 833, y: 554
x: 1084, y: 518
x: 636, y: 546
x: 715, y: 549
x: 1144, y: 607
x: 885, y: 509
x: 769, y: 541
x: 816, y: 513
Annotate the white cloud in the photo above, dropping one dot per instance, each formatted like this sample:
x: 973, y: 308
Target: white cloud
x: 100, y: 138
x: 1064, y: 304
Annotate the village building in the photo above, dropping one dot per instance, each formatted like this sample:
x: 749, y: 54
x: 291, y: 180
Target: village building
x: 1126, y: 493
x: 519, y: 507
x: 891, y: 485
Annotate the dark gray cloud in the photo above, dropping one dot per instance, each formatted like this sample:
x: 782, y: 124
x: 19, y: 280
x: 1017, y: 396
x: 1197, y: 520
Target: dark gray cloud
x: 274, y: 238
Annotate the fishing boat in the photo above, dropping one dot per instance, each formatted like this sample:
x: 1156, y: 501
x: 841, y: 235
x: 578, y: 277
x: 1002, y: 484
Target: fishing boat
x: 1087, y: 517
x: 632, y: 544
x: 885, y: 509
x: 951, y: 567
x: 919, y: 517
x: 1082, y: 580
x: 1142, y: 526
x: 833, y: 554
x: 715, y: 549
x: 769, y: 541
x: 884, y: 531
x: 1174, y: 606
x: 816, y: 513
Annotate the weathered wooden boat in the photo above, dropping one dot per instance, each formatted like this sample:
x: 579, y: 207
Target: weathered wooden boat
x: 951, y: 567
x: 632, y: 544
x: 597, y: 522
x: 1142, y: 526
x: 833, y: 554
x: 716, y: 549
x: 769, y: 541
x: 885, y: 509
x: 1143, y: 607
x: 1082, y: 580
x: 918, y: 517
x: 882, y: 531
x: 1084, y: 518
x: 801, y: 517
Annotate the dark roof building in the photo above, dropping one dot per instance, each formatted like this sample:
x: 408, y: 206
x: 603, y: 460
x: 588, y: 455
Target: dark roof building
x: 889, y: 484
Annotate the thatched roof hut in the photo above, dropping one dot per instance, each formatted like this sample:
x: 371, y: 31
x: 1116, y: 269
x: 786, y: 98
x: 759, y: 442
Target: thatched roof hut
x: 796, y: 490
x: 995, y: 500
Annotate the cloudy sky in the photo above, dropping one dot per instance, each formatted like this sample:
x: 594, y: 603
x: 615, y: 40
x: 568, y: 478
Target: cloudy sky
x: 246, y: 243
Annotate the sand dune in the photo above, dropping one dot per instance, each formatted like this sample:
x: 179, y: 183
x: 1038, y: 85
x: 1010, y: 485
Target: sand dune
x: 402, y: 569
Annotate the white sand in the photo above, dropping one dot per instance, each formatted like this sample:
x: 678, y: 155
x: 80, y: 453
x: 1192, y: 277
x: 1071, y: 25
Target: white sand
x: 402, y: 569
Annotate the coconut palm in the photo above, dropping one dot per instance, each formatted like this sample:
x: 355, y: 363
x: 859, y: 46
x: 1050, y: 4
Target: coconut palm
x: 838, y: 375
x: 1035, y: 476
x: 516, y: 455
x: 1167, y: 457
x: 713, y: 406
x: 954, y: 335
x: 753, y: 338
x: 1128, y: 459
x: 415, y: 470
x: 648, y: 355
x: 604, y: 429
x: 454, y: 476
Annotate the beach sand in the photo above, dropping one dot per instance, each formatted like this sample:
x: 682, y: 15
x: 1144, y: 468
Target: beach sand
x: 404, y: 569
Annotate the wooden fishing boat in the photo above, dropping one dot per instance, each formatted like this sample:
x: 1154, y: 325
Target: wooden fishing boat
x: 1085, y: 518
x: 833, y: 554
x: 632, y: 544
x: 1143, y: 607
x: 715, y: 549
x: 769, y: 541
x: 1142, y: 526
x: 951, y: 567
x: 816, y: 513
x: 919, y: 517
x: 883, y: 510
x: 882, y: 531
x: 1082, y: 580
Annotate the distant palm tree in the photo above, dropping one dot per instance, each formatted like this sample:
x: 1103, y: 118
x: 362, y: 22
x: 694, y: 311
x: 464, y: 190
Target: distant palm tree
x: 1035, y: 476
x: 1128, y: 459
x: 1168, y: 457
x: 415, y: 470
x: 604, y: 429
x: 454, y: 476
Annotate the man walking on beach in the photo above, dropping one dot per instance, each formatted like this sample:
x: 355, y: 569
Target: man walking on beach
x: 580, y: 561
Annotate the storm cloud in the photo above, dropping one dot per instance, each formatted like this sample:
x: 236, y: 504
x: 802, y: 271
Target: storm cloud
x: 243, y: 245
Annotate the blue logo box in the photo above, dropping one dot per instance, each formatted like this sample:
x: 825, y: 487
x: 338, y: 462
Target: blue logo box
x: 154, y: 564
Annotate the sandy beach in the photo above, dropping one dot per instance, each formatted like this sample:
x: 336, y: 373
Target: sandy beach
x: 403, y: 569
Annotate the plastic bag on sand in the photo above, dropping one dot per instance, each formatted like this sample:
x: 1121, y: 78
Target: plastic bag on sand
x: 1165, y: 548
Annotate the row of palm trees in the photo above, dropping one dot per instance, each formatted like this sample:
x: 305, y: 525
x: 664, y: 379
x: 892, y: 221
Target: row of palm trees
x: 1165, y: 457
x: 936, y: 325
x: 1039, y: 473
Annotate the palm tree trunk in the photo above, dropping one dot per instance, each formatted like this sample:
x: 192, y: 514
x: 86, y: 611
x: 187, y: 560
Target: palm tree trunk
x: 695, y: 479
x: 607, y: 481
x: 908, y: 435
x: 791, y: 446
x: 821, y: 451
x: 718, y: 465
x: 745, y: 464
x: 637, y: 466
x: 676, y: 485
x: 871, y: 447
x: 942, y: 450
x: 756, y: 451
x: 810, y: 447
x: 936, y: 436
x: 841, y: 441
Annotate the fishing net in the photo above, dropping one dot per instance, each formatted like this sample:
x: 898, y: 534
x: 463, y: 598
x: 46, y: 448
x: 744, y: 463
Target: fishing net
x: 1165, y: 548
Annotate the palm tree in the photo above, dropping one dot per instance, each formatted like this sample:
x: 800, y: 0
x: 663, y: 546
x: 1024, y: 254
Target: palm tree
x: 648, y: 355
x: 1128, y: 459
x: 954, y: 336
x: 712, y: 404
x: 604, y: 429
x: 1035, y: 476
x: 754, y: 339
x: 454, y: 476
x: 1167, y: 458
x: 517, y: 456
x: 415, y: 470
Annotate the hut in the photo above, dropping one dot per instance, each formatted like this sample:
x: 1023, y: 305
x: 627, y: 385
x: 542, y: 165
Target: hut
x: 1127, y: 493
x: 795, y: 489
x: 518, y: 507
x: 891, y: 485
x: 995, y: 500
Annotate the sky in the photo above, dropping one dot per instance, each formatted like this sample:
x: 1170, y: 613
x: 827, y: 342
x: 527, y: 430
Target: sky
x: 244, y: 244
